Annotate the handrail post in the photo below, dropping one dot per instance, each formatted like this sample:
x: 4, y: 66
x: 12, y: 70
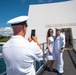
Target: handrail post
x: 43, y: 55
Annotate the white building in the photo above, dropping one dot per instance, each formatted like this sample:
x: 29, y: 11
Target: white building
x: 52, y: 15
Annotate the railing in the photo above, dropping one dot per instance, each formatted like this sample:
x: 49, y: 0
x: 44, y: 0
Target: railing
x: 2, y: 63
x: 74, y: 44
x: 1, y: 43
x: 42, y: 62
x: 38, y: 65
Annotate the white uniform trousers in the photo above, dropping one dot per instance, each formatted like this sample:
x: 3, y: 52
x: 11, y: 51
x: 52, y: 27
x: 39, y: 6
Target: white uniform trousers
x: 60, y: 62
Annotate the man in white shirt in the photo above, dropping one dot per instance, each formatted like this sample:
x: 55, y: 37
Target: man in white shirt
x: 59, y: 49
x: 19, y: 53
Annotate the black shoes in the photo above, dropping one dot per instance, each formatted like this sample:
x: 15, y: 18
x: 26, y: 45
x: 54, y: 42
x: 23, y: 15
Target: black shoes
x: 59, y: 73
x: 52, y: 70
x: 47, y: 68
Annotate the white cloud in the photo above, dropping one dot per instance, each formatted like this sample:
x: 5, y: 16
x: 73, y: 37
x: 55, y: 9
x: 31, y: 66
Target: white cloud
x: 6, y: 31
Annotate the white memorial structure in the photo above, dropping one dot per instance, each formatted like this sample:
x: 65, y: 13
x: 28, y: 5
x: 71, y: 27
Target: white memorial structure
x: 53, y: 15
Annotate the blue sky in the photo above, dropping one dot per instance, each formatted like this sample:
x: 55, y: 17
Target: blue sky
x: 13, y: 8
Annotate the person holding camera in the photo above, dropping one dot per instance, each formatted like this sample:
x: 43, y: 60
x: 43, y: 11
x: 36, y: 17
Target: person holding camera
x: 18, y: 52
x: 33, y: 37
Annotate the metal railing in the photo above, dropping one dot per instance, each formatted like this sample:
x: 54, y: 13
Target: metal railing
x: 38, y: 65
x: 74, y: 44
x: 43, y: 61
x: 2, y: 63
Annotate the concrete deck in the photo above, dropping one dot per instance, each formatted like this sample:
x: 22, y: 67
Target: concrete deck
x: 69, y: 64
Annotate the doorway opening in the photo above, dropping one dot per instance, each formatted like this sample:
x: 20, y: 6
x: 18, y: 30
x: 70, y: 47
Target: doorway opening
x: 68, y: 37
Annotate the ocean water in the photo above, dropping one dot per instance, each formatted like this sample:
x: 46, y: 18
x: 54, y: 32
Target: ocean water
x: 2, y: 63
x: 2, y: 66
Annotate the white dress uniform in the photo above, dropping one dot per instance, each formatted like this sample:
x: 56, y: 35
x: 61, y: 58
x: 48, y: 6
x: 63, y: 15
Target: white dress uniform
x: 58, y: 44
x: 48, y: 56
x: 19, y: 55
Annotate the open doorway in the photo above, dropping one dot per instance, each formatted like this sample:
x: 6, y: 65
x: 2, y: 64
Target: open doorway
x: 68, y: 36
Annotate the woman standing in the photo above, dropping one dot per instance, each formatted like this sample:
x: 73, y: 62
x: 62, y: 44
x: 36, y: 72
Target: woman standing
x: 50, y: 55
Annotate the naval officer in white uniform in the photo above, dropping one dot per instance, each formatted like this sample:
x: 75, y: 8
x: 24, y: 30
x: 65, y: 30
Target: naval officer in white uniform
x: 19, y: 53
x: 59, y: 45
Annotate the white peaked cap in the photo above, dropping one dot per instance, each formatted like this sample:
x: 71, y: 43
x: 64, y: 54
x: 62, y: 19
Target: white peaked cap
x: 18, y: 20
x: 58, y: 28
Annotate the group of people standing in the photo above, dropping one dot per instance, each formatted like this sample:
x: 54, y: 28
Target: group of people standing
x: 20, y: 53
x: 55, y: 46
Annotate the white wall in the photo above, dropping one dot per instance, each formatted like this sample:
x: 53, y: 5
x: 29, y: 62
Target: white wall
x: 43, y: 15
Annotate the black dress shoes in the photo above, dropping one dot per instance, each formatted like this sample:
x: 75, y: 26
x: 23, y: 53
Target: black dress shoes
x: 59, y: 73
x: 54, y: 70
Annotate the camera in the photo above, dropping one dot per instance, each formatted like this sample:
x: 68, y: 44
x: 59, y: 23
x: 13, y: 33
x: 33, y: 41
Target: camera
x: 33, y: 32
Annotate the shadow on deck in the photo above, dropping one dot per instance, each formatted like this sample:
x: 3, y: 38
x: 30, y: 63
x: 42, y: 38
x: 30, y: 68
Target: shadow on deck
x: 69, y: 57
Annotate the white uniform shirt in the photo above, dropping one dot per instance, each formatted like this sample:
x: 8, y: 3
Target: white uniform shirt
x: 59, y: 42
x: 19, y: 55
